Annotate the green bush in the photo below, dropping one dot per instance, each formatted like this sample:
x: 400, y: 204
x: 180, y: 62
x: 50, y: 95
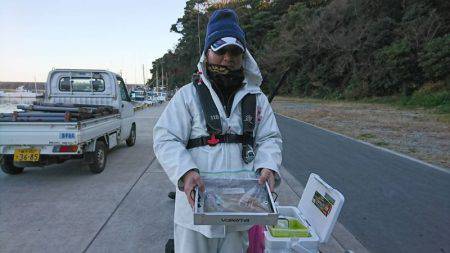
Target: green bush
x: 321, y: 92
x: 334, y: 95
x: 435, y: 58
x: 429, y: 100
x: 300, y: 84
x: 398, y: 61
x: 397, y: 58
x: 356, y: 88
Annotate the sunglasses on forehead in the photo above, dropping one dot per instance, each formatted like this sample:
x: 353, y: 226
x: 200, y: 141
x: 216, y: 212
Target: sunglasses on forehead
x: 232, y: 50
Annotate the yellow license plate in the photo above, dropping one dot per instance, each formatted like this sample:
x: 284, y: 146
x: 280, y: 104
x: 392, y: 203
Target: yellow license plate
x: 27, y: 155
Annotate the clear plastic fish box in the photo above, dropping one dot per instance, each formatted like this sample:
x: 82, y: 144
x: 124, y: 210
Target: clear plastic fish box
x: 234, y: 202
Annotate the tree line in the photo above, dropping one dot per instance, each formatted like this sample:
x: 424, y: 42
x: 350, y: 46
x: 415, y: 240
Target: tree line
x: 333, y: 48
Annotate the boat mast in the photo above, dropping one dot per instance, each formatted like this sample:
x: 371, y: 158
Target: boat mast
x: 157, y: 80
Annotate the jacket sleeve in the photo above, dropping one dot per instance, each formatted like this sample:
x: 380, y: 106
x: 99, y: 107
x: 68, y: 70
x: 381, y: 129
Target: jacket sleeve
x: 170, y: 136
x: 268, y: 142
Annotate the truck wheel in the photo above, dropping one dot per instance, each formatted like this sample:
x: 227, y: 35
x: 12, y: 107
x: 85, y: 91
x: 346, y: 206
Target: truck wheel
x: 8, y: 167
x: 131, y: 140
x: 100, y: 154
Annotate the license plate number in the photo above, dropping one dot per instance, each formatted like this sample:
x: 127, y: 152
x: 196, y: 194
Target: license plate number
x: 27, y: 155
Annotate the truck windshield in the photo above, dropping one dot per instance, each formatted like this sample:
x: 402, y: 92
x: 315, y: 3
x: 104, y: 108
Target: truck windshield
x: 81, y: 84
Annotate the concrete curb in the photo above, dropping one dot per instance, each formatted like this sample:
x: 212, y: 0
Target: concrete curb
x: 140, y: 107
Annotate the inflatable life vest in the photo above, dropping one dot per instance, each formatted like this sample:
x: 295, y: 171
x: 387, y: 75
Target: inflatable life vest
x: 214, y: 124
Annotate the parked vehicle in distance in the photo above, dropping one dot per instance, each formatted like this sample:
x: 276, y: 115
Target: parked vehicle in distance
x: 138, y: 94
x: 150, y: 101
x: 161, y: 97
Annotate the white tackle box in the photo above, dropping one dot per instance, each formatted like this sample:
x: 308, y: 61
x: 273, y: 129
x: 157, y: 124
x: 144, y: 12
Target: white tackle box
x: 318, y: 209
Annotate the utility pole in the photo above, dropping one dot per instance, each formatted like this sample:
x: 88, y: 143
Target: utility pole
x: 150, y: 76
x: 143, y: 75
x: 35, y: 86
x: 167, y: 81
x: 157, y: 80
x: 162, y: 76
x: 135, y: 78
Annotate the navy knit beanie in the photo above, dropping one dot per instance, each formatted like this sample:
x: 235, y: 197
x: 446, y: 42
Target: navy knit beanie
x: 223, y: 23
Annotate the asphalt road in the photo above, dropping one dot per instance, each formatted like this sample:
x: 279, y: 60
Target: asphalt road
x: 65, y: 208
x: 393, y: 204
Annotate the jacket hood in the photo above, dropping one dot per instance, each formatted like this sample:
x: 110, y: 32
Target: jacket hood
x: 253, y: 77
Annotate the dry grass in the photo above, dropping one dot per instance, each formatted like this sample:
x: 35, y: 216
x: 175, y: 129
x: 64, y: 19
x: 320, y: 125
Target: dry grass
x: 417, y: 133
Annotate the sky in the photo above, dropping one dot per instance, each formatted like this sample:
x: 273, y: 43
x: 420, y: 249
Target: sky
x: 121, y: 36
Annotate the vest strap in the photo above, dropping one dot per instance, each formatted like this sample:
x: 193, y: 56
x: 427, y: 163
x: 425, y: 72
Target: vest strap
x: 214, y: 140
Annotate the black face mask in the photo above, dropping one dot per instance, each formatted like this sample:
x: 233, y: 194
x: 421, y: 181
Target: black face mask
x: 225, y: 79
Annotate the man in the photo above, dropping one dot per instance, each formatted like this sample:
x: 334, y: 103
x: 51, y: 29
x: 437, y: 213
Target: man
x: 187, y: 148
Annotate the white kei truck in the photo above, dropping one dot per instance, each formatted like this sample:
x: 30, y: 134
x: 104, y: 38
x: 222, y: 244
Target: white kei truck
x: 84, y: 113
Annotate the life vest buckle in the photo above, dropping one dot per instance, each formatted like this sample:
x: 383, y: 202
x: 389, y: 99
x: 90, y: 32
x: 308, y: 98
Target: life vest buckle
x: 212, y: 141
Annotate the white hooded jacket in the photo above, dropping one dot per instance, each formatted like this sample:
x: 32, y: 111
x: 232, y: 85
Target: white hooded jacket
x: 183, y: 119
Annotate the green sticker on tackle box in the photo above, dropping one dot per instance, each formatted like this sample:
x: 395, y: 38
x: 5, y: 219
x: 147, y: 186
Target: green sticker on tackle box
x: 324, y: 204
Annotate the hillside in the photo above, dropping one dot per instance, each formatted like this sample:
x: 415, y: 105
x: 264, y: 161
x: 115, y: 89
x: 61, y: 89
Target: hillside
x: 348, y: 49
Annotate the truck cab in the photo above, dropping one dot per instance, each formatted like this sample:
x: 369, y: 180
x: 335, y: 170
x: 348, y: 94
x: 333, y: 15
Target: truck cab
x: 93, y: 87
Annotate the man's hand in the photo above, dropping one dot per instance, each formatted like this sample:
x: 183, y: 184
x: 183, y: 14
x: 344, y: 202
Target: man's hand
x: 269, y: 176
x: 192, y: 179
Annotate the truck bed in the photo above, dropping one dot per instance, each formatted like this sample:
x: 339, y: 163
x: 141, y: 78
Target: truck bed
x: 55, y: 133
